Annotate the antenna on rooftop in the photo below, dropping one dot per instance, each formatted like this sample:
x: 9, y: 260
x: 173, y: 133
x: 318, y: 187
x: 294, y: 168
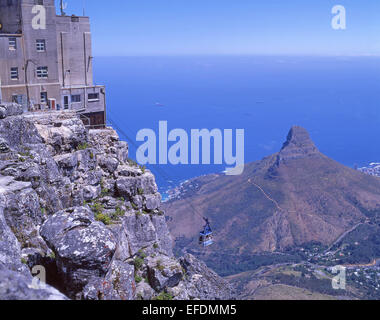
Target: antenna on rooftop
x: 84, y: 14
x: 63, y: 6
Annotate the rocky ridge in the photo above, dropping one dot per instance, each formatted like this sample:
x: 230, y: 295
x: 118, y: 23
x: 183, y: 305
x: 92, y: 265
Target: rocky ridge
x: 72, y: 202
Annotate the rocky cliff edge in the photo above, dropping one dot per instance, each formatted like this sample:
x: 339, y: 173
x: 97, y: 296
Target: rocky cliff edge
x: 74, y: 206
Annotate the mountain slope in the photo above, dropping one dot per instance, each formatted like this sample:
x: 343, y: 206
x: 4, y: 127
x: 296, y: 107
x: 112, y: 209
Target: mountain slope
x: 295, y: 196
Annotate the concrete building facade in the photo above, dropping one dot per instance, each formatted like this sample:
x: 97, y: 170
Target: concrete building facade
x: 46, y: 60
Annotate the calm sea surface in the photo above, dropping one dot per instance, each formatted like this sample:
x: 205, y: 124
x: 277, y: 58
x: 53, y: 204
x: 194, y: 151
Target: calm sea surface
x: 336, y: 99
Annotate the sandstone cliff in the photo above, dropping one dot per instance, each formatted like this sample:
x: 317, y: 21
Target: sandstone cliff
x: 72, y: 202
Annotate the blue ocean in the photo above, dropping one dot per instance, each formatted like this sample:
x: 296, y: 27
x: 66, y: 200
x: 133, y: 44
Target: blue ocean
x: 337, y: 99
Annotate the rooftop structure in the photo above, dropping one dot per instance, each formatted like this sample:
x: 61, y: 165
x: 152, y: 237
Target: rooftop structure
x: 46, y: 60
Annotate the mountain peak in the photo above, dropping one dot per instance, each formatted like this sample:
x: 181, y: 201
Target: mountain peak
x: 298, y: 136
x: 298, y: 144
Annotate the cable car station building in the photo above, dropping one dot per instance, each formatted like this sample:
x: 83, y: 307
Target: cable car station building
x: 46, y: 60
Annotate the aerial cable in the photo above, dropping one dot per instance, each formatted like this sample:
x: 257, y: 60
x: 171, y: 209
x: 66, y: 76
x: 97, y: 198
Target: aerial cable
x: 158, y: 170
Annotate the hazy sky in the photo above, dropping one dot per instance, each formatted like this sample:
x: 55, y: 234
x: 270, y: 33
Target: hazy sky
x: 177, y: 27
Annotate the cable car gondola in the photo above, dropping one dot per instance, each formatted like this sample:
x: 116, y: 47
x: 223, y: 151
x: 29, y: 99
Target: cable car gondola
x: 205, y: 236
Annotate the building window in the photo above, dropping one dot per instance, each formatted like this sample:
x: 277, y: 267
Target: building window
x: 39, y: 2
x: 42, y: 72
x: 9, y: 3
x: 40, y: 45
x: 17, y: 98
x: 14, y: 73
x: 44, y: 97
x: 93, y: 97
x: 75, y: 98
x: 12, y: 43
x: 66, y: 102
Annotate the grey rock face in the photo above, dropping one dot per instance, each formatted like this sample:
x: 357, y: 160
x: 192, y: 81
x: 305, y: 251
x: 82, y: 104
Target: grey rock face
x: 17, y: 286
x: 203, y: 283
x: 108, y: 163
x: 164, y: 238
x: 152, y: 201
x: 163, y: 272
x: 10, y: 109
x: 72, y: 201
x: 130, y: 186
x: 10, y: 251
x: 4, y: 147
x: 91, y: 192
x: 3, y: 112
x: 144, y: 291
x: 139, y: 231
x: 118, y: 284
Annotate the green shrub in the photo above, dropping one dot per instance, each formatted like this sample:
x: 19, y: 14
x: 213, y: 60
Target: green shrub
x: 104, y: 192
x: 164, y: 296
x: 138, y: 279
x: 26, y: 154
x: 141, y: 254
x: 160, y: 266
x: 138, y: 262
x: 103, y: 218
x: 82, y: 146
x: 119, y: 212
x: 98, y: 213
x: 132, y: 163
x: 97, y: 208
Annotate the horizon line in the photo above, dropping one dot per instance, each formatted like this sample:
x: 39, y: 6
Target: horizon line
x: 242, y: 55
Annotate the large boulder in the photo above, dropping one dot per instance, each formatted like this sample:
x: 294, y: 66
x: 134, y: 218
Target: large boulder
x: 83, y: 247
x: 163, y: 272
x: 152, y: 201
x: 61, y: 132
x: 132, y: 186
x: 108, y: 163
